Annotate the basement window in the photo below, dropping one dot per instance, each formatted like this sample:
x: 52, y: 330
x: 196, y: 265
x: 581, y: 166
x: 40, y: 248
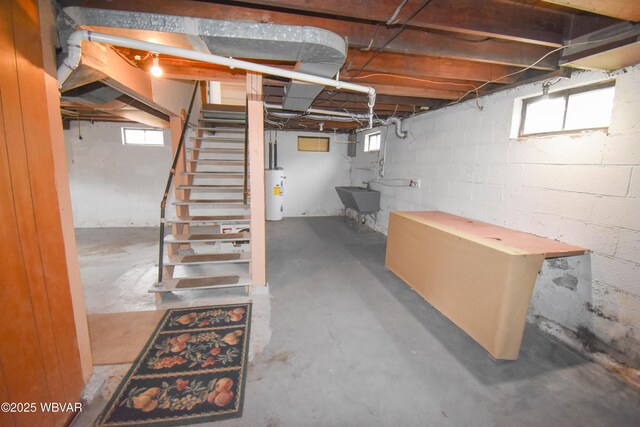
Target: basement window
x: 372, y: 142
x: 313, y: 143
x: 140, y: 136
x: 584, y: 108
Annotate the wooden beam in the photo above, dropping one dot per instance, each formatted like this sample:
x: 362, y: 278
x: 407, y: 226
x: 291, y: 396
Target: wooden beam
x: 621, y: 9
x: 487, y: 19
x: 255, y: 120
x: 41, y: 358
x: 357, y: 98
x: 360, y: 34
x: 427, y: 66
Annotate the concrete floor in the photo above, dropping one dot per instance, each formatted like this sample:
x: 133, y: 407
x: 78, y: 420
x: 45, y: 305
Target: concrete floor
x: 352, y: 345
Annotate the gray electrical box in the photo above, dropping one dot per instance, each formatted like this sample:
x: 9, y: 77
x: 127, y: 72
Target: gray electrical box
x: 352, y: 147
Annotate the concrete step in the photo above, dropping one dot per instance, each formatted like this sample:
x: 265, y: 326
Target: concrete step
x: 211, y: 220
x: 206, y: 238
x: 198, y: 283
x: 202, y: 259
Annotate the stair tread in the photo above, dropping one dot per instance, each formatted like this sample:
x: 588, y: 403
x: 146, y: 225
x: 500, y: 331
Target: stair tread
x: 217, y: 139
x: 210, y: 205
x: 204, y: 282
x: 218, y: 162
x: 217, y: 120
x: 212, y: 237
x: 192, y: 201
x: 213, y: 174
x: 211, y: 189
x: 218, y: 150
x: 230, y: 257
x: 221, y: 129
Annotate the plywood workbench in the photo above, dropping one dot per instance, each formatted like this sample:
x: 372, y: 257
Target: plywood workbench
x: 479, y: 275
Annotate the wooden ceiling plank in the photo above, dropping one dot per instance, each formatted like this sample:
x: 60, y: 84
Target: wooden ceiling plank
x: 621, y: 9
x: 490, y: 19
x: 359, y: 34
x: 427, y: 66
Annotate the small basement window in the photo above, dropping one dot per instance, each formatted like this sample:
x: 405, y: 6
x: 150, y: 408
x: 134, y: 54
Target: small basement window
x: 584, y: 108
x: 313, y: 143
x: 139, y: 136
x: 372, y: 142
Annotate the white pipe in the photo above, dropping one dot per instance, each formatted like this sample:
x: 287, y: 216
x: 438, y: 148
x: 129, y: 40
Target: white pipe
x: 319, y: 111
x: 75, y: 50
x: 286, y: 115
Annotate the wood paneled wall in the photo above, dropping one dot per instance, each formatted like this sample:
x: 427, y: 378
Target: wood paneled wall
x: 41, y: 357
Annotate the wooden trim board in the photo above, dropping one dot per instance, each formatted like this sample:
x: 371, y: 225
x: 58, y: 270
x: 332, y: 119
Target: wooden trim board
x: 481, y: 284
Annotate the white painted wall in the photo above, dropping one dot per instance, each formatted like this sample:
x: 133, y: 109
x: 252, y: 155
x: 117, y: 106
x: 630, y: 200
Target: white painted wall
x: 583, y: 189
x: 114, y: 185
x: 311, y: 177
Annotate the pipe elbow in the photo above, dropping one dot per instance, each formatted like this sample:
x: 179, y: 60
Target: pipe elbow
x: 398, y: 124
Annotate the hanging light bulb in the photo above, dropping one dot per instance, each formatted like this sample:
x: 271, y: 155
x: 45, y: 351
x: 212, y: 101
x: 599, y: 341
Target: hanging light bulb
x: 155, y: 69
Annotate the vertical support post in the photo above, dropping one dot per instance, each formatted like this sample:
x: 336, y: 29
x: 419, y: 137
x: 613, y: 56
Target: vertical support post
x: 175, y: 125
x: 255, y: 132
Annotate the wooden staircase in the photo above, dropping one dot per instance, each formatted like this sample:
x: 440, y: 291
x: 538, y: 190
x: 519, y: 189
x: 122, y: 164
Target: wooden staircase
x: 208, y: 244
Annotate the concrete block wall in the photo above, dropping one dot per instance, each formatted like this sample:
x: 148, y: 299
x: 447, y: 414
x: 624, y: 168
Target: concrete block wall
x: 581, y: 188
x: 115, y: 185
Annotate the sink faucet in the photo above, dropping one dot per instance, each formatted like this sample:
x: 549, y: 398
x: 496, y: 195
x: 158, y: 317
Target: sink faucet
x: 368, y: 184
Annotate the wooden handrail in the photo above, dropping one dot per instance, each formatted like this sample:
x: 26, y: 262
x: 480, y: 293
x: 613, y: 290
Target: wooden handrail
x: 172, y: 172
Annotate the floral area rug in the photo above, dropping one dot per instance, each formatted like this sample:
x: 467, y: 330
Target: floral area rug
x: 191, y: 370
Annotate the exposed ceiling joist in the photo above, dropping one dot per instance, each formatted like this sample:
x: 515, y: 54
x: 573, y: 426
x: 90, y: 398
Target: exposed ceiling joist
x: 358, y: 34
x: 427, y: 66
x: 493, y: 19
x: 627, y: 10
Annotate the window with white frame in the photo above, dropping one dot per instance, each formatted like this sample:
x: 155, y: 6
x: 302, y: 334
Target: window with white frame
x: 584, y: 108
x: 141, y: 136
x: 372, y: 142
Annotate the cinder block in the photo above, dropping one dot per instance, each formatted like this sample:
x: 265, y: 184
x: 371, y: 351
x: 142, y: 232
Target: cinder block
x: 495, y: 153
x: 608, y: 180
x: 565, y: 203
x: 524, y: 199
x: 621, y: 274
x: 634, y: 187
x: 624, y: 118
x: 617, y: 211
x: 581, y: 149
x: 629, y: 246
x: 544, y: 225
x: 622, y: 149
x: 486, y: 193
x: 627, y: 88
x: 597, y: 238
x: 439, y: 155
x: 505, y: 174
x: 464, y: 154
x: 615, y: 305
x: 461, y: 190
x: 473, y: 173
x: 477, y: 135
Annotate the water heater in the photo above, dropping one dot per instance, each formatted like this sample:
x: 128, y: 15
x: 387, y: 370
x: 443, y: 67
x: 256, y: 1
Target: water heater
x: 274, y: 182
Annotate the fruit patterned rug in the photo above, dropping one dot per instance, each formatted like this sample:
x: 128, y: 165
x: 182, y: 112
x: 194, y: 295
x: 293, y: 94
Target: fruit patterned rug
x: 192, y: 370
